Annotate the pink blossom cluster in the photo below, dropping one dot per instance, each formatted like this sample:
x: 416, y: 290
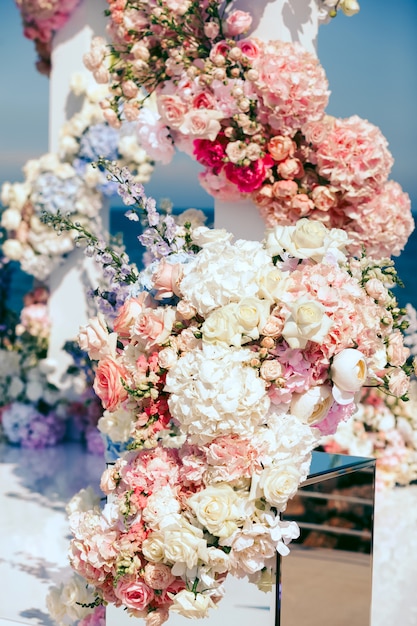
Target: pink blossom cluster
x: 386, y: 428
x: 252, y: 113
x: 41, y: 19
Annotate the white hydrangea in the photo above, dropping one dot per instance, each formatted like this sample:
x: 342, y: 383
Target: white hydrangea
x: 214, y: 392
x: 223, y: 272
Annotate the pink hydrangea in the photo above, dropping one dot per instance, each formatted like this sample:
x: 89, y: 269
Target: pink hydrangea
x: 291, y: 85
x: 384, y: 224
x: 354, y: 158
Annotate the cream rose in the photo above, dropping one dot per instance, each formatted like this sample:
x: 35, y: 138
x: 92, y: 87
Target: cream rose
x: 312, y: 406
x: 191, y: 605
x: 278, y: 484
x: 222, y: 326
x: 218, y: 508
x: 307, y: 321
x: 153, y: 547
x: 348, y: 372
x: 184, y: 546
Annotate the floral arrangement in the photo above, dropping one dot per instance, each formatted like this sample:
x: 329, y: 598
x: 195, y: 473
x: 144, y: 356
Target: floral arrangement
x: 41, y: 20
x: 52, y: 185
x: 221, y: 371
x: 32, y: 412
x: 252, y: 113
x: 66, y: 183
x: 87, y: 136
x: 384, y: 428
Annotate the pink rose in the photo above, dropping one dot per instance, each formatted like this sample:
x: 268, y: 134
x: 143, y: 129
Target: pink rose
x: 108, y: 385
x: 135, y: 594
x: 172, y: 110
x: 154, y: 326
x: 209, y: 153
x: 203, y: 100
x: 281, y: 147
x: 166, y: 279
x: 271, y: 370
x: 158, y: 575
x: 237, y: 23
x: 250, y: 48
x: 273, y: 326
x: 130, y: 89
x: 220, y: 49
x: 128, y: 314
x: 290, y: 169
x: 201, y: 123
x: 94, y: 338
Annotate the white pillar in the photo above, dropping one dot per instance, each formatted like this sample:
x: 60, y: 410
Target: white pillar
x: 69, y: 305
x: 285, y: 20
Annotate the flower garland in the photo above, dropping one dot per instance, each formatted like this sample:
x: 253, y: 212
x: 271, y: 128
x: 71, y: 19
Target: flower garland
x: 66, y: 183
x: 41, y: 20
x: 252, y: 113
x: 222, y: 370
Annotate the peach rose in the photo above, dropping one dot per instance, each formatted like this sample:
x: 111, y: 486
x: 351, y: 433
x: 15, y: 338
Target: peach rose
x: 323, y: 198
x: 108, y: 383
x: 158, y: 575
x: 95, y: 339
x: 302, y: 204
x: 290, y: 169
x: 166, y: 279
x: 281, y: 147
x: 172, y: 110
x: 128, y: 314
x: 284, y: 189
x: 154, y: 326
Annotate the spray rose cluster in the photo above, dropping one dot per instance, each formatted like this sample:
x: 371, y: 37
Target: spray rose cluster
x: 252, y: 113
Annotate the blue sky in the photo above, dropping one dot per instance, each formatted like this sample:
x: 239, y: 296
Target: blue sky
x: 370, y: 60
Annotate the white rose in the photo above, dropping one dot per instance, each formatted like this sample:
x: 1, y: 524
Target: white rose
x: 12, y: 249
x: 218, y: 508
x: 184, y: 546
x: 252, y: 314
x: 307, y: 321
x: 191, y: 605
x: 312, y: 406
x: 348, y: 372
x: 272, y: 283
x: 222, y: 326
x: 11, y: 219
x: 278, y: 484
x: 202, y: 236
x: 167, y: 357
x: 153, y: 547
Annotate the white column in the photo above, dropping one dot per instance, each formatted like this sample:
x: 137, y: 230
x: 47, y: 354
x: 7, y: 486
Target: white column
x: 69, y: 303
x: 285, y: 20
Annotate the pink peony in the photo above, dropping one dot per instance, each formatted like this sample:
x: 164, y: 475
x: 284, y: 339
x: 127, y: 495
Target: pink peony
x: 248, y: 178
